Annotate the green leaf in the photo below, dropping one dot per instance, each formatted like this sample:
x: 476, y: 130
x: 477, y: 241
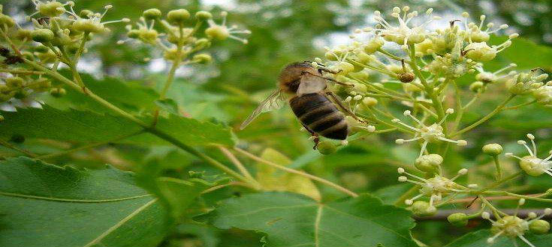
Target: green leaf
x: 294, y: 220
x: 272, y: 179
x: 193, y: 132
x: 525, y: 53
x: 528, y: 119
x: 129, y: 96
x: 84, y: 126
x: 46, y: 205
x: 479, y: 239
x: 71, y: 125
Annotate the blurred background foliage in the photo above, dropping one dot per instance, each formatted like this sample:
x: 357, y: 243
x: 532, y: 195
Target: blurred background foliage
x: 286, y: 31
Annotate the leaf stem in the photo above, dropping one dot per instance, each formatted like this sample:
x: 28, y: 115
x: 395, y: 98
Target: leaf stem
x: 88, y: 146
x: 304, y: 174
x: 11, y: 146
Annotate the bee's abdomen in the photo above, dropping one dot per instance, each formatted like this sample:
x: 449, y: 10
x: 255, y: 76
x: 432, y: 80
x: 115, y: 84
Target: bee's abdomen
x: 320, y: 115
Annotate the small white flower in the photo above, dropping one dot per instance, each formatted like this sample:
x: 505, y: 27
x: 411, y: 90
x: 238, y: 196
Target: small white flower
x: 405, y: 32
x: 428, y: 134
x: 532, y: 164
x: 491, y: 77
x: 512, y: 226
x: 435, y: 188
x: 93, y: 22
x: 222, y: 31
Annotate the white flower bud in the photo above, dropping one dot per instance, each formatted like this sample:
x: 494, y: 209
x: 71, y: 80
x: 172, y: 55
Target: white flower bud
x: 492, y: 149
x: 485, y: 215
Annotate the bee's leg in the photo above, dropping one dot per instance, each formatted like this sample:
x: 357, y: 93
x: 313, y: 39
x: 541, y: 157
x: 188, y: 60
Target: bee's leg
x: 338, y: 102
x: 330, y: 79
x: 324, y: 69
x: 313, y: 134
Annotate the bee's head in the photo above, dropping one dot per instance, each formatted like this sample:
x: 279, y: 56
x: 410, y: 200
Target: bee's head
x: 290, y: 77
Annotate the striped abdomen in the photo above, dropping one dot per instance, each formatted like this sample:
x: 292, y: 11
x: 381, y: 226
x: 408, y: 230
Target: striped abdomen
x: 320, y: 115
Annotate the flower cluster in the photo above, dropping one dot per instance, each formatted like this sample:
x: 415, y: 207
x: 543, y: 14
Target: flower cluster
x: 436, y: 188
x: 58, y: 36
x: 402, y: 63
x: 177, y: 34
x: 513, y: 226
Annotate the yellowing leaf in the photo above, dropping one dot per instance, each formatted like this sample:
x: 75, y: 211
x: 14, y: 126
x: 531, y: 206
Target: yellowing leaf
x: 273, y: 180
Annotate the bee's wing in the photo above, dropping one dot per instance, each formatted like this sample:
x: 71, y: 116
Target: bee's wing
x: 273, y: 102
x: 311, y: 84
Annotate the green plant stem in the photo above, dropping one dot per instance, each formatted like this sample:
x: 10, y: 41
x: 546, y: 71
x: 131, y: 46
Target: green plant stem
x: 498, y: 167
x: 498, y: 183
x: 384, y: 52
x: 88, y: 146
x: 240, y: 166
x: 20, y: 72
x: 520, y: 105
x: 9, y: 40
x: 81, y: 48
x: 437, y: 104
x: 304, y: 174
x: 495, y: 211
x: 11, y: 146
x: 406, y: 195
x: 174, y: 67
x: 485, y: 118
x: 459, y: 107
x: 518, y: 196
x: 159, y: 133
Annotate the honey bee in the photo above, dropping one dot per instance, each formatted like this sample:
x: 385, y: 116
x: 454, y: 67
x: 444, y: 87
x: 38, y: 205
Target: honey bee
x: 314, y: 106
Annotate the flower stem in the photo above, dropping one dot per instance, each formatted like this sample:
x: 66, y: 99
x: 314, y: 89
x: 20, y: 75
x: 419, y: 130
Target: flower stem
x: 240, y: 166
x: 485, y: 118
x: 175, y: 65
x: 499, y: 182
x: 429, y: 90
x: 520, y: 105
x: 81, y: 48
x: 498, y: 167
